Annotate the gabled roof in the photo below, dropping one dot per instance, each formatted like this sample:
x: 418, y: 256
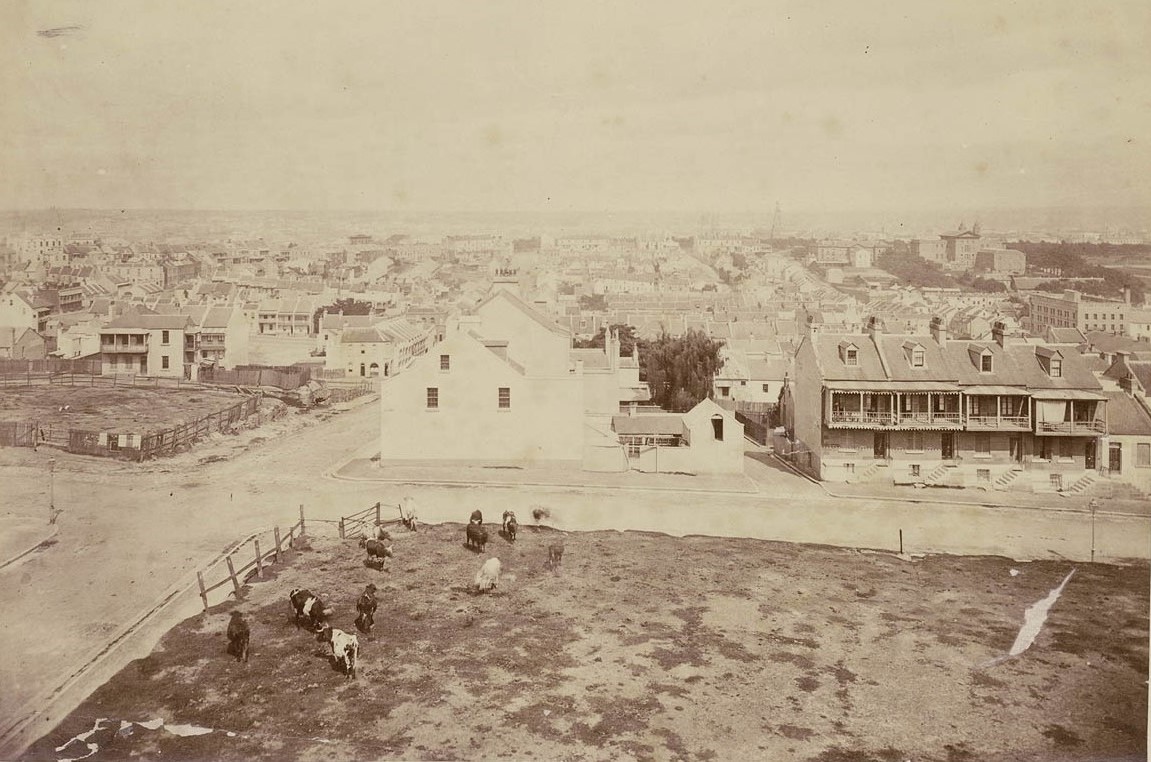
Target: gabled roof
x: 896, y: 352
x: 827, y: 357
x: 524, y: 307
x: 1126, y: 416
x: 362, y: 336
x: 151, y: 322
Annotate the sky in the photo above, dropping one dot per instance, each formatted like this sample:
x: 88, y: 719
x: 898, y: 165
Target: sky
x: 550, y: 106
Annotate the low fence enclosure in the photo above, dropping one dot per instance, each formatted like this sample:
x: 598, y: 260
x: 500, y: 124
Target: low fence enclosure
x: 152, y: 444
x: 253, y: 557
x: 364, y: 522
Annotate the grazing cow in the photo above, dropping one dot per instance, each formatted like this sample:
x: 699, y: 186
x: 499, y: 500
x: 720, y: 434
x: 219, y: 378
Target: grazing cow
x: 238, y: 637
x: 366, y: 606
x: 555, y: 554
x: 382, y: 535
x: 477, y: 517
x: 510, y: 524
x: 345, y: 649
x: 410, y: 521
x: 309, y: 607
x: 488, y: 576
x: 377, y: 550
x: 477, y: 537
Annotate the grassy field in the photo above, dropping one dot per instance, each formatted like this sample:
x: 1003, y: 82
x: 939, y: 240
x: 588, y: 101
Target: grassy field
x: 650, y: 647
x: 110, y: 409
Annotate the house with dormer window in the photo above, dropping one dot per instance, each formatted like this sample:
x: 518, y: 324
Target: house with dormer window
x: 931, y: 410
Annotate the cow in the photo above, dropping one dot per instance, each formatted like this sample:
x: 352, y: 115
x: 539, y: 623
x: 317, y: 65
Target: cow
x: 510, y: 525
x: 377, y: 551
x: 477, y: 537
x: 555, y: 555
x: 238, y: 637
x: 345, y: 649
x: 366, y: 606
x: 477, y: 517
x: 488, y: 576
x: 308, y: 607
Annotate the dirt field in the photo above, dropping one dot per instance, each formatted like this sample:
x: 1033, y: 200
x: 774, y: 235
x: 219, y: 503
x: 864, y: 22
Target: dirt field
x: 645, y: 646
x: 110, y: 409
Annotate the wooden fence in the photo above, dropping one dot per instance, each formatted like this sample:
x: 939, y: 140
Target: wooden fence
x: 52, y: 365
x: 254, y: 559
x: 40, y: 378
x: 17, y: 434
x: 364, y: 522
x: 152, y: 444
x: 346, y: 393
x: 281, y: 378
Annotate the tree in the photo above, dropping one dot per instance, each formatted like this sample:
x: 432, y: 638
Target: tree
x: 680, y: 371
x: 626, y: 334
x: 346, y: 306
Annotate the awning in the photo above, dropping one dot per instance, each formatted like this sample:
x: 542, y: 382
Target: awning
x: 1066, y: 394
x: 891, y: 386
x: 1002, y: 390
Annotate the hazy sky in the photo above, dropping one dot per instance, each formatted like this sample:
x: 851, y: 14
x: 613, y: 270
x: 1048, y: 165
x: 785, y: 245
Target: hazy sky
x: 528, y: 105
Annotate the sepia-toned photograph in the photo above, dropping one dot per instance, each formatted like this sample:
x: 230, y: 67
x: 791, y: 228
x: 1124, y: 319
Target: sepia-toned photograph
x: 571, y: 381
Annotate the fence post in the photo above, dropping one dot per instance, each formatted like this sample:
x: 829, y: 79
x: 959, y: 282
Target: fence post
x: 259, y: 562
x: 377, y: 513
x: 203, y: 592
x: 341, y: 527
x: 303, y: 531
x: 232, y: 574
x: 291, y: 535
x: 277, y: 544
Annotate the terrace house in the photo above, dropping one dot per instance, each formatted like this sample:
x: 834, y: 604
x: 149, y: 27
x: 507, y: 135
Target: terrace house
x: 926, y: 409
x: 149, y: 345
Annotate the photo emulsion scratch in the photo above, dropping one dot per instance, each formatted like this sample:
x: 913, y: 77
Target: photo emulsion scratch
x: 575, y: 381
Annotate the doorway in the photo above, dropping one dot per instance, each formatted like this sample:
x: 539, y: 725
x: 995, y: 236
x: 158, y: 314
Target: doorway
x: 1016, y: 444
x: 1089, y: 455
x: 879, y: 448
x: 947, y: 445
x: 1115, y: 458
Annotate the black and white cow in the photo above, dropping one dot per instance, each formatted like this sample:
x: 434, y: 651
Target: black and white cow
x: 308, y: 607
x: 345, y: 649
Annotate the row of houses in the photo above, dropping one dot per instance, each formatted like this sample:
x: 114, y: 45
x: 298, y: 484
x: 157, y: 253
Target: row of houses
x: 928, y: 409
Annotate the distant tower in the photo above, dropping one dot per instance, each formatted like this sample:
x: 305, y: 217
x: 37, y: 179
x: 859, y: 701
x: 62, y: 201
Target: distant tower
x: 776, y: 220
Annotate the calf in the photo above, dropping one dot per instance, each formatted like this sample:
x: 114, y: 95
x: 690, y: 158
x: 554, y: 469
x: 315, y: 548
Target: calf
x: 345, y: 649
x: 555, y: 555
x: 366, y: 606
x: 488, y: 576
x: 377, y: 550
x: 477, y: 537
x: 238, y: 637
x: 308, y: 607
x: 510, y: 525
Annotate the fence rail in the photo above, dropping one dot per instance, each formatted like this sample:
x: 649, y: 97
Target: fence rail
x: 249, y: 548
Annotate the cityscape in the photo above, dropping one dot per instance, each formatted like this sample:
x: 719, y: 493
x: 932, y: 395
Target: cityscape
x: 553, y: 395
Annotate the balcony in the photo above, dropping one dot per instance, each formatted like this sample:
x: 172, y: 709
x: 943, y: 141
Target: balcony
x: 999, y: 423
x: 930, y: 419
x: 1091, y: 428
x: 122, y: 349
x: 862, y: 418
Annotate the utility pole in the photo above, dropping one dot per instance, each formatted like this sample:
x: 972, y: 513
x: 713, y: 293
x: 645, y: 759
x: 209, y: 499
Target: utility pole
x: 52, y: 512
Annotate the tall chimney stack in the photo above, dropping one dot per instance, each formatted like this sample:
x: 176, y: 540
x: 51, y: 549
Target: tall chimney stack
x: 938, y: 330
x: 875, y: 326
x: 998, y: 332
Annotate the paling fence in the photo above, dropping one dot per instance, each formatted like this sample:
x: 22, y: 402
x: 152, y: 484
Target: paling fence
x: 69, y: 378
x: 51, y: 365
x: 286, y: 378
x: 165, y: 442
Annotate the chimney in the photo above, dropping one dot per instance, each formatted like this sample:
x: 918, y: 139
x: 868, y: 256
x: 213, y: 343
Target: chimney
x: 938, y: 330
x: 1127, y: 296
x: 875, y: 326
x: 812, y: 328
x: 998, y: 331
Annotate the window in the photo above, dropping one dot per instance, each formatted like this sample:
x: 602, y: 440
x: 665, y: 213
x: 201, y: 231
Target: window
x: 164, y: 362
x: 717, y: 427
x: 1143, y: 454
x: 1043, y: 448
x: 1056, y: 367
x: 164, y: 337
x: 851, y: 356
x: 917, y: 358
x: 915, y: 469
x: 1065, y: 450
x: 724, y: 391
x: 433, y: 398
x: 981, y: 444
x: 743, y: 383
x: 445, y: 362
x: 985, y: 362
x: 915, y: 441
x: 765, y: 388
x: 505, y: 398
